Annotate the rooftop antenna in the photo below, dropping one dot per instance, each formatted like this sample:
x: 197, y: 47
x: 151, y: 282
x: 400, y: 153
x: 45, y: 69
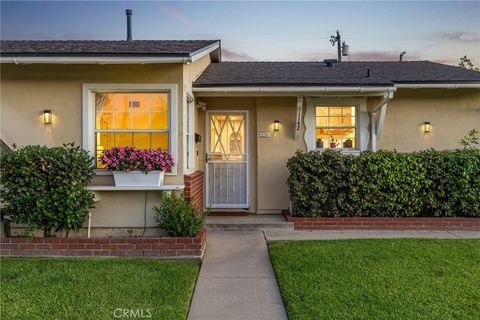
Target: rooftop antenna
x: 128, y: 12
x: 401, y: 55
x: 342, y: 48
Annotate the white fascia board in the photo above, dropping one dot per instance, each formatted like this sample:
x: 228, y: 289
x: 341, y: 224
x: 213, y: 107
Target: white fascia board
x: 438, y: 85
x: 93, y: 60
x: 292, y: 89
x: 204, y: 51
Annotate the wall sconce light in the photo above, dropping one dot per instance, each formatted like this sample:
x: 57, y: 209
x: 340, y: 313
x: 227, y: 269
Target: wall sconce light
x: 47, y: 116
x: 427, y: 127
x: 276, y: 125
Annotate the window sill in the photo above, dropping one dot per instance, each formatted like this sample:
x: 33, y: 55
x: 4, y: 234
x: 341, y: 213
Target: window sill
x: 139, y: 188
x: 344, y: 151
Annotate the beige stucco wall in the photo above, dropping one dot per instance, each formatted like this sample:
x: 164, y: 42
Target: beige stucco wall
x: 26, y: 90
x: 273, y: 153
x: 452, y: 113
x: 190, y: 74
x: 29, y: 89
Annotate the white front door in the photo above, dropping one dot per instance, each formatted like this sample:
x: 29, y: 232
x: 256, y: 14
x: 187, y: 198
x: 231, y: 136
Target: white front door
x: 227, y: 159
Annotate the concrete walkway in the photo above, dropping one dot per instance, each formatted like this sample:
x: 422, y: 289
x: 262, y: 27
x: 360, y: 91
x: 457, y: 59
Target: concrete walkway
x: 236, y: 280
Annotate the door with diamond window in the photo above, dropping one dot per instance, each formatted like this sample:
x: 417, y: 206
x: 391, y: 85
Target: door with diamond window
x: 227, y: 159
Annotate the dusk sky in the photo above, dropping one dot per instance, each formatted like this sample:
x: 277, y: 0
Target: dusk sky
x: 437, y: 31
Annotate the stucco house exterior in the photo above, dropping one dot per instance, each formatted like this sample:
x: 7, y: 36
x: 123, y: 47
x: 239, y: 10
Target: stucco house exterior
x: 230, y: 126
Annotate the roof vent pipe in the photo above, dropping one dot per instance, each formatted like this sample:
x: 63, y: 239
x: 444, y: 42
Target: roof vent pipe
x: 330, y: 63
x: 369, y: 74
x: 128, y: 12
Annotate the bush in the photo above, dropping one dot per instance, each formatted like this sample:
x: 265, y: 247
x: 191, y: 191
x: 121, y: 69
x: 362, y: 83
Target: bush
x: 385, y: 183
x: 391, y: 184
x: 177, y: 217
x: 455, y: 182
x: 323, y: 183
x: 45, y: 188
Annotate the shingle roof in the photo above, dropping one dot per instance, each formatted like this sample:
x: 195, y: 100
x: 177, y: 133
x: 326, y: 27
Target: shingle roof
x: 342, y: 74
x: 97, y: 47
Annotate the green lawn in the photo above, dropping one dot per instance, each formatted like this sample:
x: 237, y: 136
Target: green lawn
x: 379, y: 279
x: 95, y: 288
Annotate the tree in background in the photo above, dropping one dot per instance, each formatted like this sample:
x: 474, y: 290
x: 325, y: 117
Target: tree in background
x: 471, y: 141
x: 466, y: 63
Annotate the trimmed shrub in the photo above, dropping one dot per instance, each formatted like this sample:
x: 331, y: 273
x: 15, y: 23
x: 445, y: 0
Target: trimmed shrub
x: 323, y: 183
x: 385, y: 183
x: 177, y: 217
x: 390, y: 184
x: 455, y: 182
x: 46, y: 188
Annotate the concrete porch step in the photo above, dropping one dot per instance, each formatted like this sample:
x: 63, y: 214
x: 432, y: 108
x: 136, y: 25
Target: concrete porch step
x: 252, y: 222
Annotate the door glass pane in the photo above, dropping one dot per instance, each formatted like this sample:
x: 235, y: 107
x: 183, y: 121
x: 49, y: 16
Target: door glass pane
x: 227, y: 137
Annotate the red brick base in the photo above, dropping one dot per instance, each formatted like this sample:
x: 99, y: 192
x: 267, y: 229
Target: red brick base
x: 165, y: 247
x: 374, y: 223
x: 194, y: 188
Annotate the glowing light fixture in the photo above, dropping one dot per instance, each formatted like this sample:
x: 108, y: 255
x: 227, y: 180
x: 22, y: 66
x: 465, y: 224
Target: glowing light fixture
x: 276, y: 125
x: 47, y: 116
x: 427, y: 127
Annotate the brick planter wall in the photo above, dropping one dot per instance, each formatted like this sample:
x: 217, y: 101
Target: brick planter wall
x: 165, y: 247
x: 374, y: 223
x: 194, y: 188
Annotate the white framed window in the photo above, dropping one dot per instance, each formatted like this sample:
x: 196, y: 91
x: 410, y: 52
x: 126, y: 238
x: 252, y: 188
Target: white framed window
x: 140, y: 115
x: 343, y: 119
x: 189, y: 128
x: 336, y: 127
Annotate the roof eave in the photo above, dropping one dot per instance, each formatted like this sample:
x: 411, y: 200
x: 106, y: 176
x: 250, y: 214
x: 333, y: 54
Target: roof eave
x: 107, y: 58
x: 436, y: 85
x: 291, y: 90
x: 93, y: 59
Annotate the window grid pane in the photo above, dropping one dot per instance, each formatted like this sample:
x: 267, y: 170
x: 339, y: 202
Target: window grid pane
x: 335, y: 127
x: 131, y: 119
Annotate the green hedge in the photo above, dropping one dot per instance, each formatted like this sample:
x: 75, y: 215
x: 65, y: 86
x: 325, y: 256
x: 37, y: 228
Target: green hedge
x: 46, y: 188
x: 385, y: 183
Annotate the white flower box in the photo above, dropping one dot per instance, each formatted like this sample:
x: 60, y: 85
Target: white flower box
x: 138, y: 178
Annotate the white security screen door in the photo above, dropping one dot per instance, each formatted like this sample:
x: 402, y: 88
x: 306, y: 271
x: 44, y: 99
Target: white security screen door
x: 227, y: 159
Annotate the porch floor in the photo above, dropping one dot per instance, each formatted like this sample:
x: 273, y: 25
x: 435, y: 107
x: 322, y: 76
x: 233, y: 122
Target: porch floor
x: 254, y: 222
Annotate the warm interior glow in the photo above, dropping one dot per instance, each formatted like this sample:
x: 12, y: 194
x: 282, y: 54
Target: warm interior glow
x: 227, y: 137
x: 335, y: 127
x: 131, y: 119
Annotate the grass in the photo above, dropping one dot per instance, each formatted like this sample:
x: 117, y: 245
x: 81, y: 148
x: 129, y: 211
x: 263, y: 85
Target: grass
x: 379, y: 279
x: 95, y: 288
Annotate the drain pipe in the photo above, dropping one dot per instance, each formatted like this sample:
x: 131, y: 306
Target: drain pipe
x: 89, y: 224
